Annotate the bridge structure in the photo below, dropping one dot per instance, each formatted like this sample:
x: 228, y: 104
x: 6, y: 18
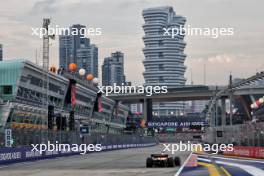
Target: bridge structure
x: 246, y: 87
x: 222, y: 116
x: 252, y: 86
x: 184, y: 93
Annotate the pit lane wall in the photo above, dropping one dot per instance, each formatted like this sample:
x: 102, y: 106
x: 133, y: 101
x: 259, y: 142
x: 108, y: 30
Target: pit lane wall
x: 23, y: 154
x: 250, y: 152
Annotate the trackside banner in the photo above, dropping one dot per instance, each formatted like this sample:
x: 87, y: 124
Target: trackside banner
x: 251, y: 152
x: 10, y: 155
x: 176, y: 122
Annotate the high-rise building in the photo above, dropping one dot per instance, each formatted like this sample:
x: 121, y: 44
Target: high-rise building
x: 78, y: 49
x: 113, y: 69
x: 1, y: 52
x: 106, y: 72
x: 164, y: 57
x: 87, y: 58
x: 196, y: 106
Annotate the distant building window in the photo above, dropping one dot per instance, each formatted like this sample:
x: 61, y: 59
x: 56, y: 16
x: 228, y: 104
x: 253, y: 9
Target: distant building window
x: 7, y: 90
x: 161, y: 79
x: 161, y: 67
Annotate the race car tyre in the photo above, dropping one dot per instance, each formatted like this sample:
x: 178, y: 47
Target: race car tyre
x: 149, y: 162
x: 163, y: 164
x: 177, y: 161
x: 170, y: 162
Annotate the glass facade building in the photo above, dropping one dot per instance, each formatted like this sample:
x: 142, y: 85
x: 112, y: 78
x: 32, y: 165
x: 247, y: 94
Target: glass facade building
x: 164, y: 57
x: 113, y: 69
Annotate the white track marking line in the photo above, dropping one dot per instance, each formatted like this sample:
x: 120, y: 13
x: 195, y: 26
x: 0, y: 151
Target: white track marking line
x: 203, y: 159
x: 185, y: 162
x: 1, y: 167
x: 249, y: 169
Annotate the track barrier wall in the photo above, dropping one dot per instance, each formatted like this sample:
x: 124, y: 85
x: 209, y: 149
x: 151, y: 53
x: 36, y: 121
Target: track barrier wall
x: 250, y: 152
x: 23, y: 154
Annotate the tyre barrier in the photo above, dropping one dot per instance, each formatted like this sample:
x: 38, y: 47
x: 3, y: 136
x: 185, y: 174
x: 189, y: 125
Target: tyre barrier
x: 10, y: 155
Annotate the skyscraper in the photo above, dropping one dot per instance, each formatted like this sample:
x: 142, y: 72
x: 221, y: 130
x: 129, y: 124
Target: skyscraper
x: 113, y: 69
x: 94, y: 59
x: 87, y: 58
x: 1, y: 52
x: 164, y: 57
x: 78, y: 49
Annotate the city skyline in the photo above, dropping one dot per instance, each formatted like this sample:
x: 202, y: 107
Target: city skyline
x: 132, y: 87
x: 219, y: 55
x: 78, y: 49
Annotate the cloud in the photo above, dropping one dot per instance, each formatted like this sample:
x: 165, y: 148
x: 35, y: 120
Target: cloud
x: 44, y: 6
x: 121, y: 22
x: 226, y: 59
x: 52, y: 6
x: 218, y: 67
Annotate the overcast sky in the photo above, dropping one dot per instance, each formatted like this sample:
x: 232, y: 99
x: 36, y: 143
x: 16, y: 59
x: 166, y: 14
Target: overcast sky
x: 121, y: 22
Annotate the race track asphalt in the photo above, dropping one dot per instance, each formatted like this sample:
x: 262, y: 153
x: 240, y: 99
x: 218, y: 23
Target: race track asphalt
x: 126, y: 162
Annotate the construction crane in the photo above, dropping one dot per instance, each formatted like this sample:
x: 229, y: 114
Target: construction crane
x: 46, y: 37
x: 45, y: 65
